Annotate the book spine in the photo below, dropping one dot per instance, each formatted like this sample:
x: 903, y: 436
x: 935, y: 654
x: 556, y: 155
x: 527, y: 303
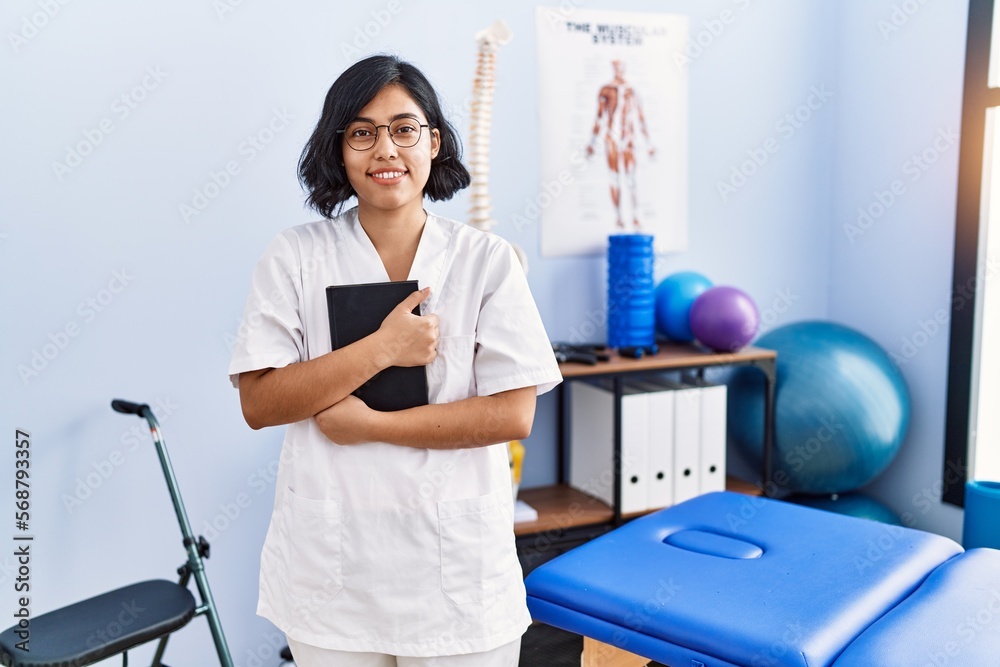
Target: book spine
x: 330, y: 306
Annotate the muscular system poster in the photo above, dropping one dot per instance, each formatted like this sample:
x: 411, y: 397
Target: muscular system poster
x: 613, y: 128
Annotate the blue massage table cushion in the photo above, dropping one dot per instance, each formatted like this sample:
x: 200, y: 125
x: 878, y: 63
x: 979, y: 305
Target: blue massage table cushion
x: 727, y: 579
x: 952, y: 619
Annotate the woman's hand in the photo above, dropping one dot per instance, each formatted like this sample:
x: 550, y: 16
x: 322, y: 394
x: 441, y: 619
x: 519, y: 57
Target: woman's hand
x: 346, y: 422
x: 407, y: 339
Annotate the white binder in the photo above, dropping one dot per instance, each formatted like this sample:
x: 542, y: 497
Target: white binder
x: 687, y: 443
x: 592, y: 444
x: 713, y: 436
x: 660, y: 456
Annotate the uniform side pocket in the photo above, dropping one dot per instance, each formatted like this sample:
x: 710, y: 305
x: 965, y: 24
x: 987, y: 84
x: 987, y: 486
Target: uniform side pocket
x: 478, y: 559
x: 314, y: 543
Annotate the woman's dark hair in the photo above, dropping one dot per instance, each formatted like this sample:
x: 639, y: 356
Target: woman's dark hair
x: 320, y: 167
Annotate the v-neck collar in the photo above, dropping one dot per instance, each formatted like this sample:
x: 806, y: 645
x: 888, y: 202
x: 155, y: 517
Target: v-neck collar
x: 427, y: 261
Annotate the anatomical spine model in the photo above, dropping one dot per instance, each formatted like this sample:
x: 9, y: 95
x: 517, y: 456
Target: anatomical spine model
x: 490, y: 40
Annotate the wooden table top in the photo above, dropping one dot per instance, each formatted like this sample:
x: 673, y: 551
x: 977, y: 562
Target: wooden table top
x: 670, y: 356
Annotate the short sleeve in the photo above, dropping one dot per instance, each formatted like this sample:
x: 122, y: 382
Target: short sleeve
x: 512, y: 350
x: 270, y: 334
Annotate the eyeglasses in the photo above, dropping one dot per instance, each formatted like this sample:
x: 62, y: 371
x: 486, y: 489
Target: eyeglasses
x: 362, y: 135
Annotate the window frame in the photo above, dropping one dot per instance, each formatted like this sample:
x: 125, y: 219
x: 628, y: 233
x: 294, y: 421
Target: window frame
x: 977, y: 97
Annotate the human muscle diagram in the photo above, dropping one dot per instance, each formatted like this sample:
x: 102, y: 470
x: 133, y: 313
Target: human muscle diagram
x: 613, y: 130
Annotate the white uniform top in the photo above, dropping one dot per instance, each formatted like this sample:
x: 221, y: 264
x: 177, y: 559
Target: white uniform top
x: 377, y: 547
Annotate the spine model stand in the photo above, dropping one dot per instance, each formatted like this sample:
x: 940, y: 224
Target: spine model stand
x: 490, y: 40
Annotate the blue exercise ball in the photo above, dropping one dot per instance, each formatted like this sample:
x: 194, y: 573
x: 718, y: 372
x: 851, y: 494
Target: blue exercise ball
x: 841, y: 408
x: 850, y: 504
x: 674, y: 296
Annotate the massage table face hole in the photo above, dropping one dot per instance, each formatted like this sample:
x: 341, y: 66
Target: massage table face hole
x: 713, y: 544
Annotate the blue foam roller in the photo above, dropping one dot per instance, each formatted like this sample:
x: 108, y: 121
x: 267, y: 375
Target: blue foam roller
x: 982, y: 515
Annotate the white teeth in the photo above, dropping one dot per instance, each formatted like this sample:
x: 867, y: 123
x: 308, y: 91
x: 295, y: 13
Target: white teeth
x: 388, y: 174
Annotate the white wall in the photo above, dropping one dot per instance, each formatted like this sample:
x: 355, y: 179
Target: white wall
x: 900, y: 67
x: 262, y: 70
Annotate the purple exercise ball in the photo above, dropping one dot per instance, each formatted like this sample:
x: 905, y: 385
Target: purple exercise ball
x: 724, y: 319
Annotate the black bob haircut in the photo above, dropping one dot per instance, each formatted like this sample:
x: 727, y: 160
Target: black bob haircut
x: 320, y: 167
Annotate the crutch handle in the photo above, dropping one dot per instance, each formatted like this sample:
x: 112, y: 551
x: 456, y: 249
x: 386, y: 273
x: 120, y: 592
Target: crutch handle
x: 128, y: 407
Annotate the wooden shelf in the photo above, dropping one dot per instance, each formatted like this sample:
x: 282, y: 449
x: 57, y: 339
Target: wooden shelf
x: 560, y: 507
x: 670, y: 356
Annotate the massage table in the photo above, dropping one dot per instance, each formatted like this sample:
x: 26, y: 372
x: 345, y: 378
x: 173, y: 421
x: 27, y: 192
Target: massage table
x: 731, y: 580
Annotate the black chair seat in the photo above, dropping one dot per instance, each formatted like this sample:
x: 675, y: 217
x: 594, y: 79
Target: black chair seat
x: 102, y: 626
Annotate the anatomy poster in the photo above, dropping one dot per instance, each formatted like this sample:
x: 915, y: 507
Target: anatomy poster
x: 613, y: 100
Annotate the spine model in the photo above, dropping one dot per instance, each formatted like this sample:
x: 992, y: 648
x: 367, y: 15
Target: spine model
x: 490, y: 40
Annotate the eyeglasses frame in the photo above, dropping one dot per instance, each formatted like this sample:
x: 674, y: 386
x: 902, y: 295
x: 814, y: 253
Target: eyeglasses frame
x: 392, y: 138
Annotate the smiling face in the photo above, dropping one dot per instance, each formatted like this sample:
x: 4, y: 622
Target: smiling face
x: 389, y: 179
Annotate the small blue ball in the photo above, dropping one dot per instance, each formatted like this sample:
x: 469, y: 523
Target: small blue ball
x: 674, y: 296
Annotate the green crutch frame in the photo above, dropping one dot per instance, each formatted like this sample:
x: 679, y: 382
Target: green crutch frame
x: 112, y: 623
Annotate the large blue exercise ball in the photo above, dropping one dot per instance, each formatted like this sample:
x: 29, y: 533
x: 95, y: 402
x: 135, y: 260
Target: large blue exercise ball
x: 850, y: 504
x: 841, y: 408
x: 674, y: 297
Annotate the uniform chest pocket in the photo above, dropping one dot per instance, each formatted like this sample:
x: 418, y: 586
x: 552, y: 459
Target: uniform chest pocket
x: 478, y: 557
x: 313, y: 545
x: 450, y: 377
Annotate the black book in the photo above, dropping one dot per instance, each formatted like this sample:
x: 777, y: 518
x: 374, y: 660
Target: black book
x: 357, y: 311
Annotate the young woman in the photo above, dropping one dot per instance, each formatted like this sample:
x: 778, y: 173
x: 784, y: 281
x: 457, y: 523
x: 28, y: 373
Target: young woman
x: 391, y: 541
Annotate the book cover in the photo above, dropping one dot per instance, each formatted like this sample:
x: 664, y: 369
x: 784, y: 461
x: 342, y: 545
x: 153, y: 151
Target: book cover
x: 357, y: 311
